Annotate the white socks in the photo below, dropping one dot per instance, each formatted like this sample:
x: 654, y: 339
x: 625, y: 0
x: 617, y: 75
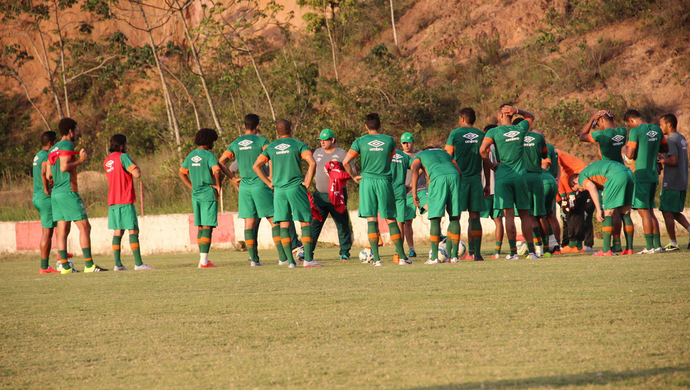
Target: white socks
x: 203, y: 258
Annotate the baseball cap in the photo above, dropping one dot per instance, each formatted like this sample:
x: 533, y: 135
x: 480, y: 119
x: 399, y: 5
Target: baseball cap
x: 407, y: 137
x: 326, y: 134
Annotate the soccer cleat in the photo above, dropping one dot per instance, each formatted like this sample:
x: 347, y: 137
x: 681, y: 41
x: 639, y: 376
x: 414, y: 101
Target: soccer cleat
x: 454, y: 260
x: 568, y: 249
x: 286, y: 262
x: 208, y: 265
x: 48, y: 270
x: 405, y: 262
x: 602, y: 253
x: 256, y: 264
x: 588, y: 249
x: 478, y: 258
x: 434, y: 261
x: 627, y: 252
x: 496, y: 256
x: 513, y: 257
x: 396, y: 258
x: 121, y: 268
x: 659, y: 250
x: 670, y: 247
x: 311, y: 264
x: 468, y: 257
x: 94, y: 268
x: 344, y: 257
x: 292, y: 265
x: 533, y: 256
x: 69, y: 271
x: 412, y: 253
x: 646, y: 252
x: 143, y: 267
x: 378, y: 264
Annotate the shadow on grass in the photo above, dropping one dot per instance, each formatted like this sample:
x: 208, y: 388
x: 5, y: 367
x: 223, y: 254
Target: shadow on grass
x: 583, y: 379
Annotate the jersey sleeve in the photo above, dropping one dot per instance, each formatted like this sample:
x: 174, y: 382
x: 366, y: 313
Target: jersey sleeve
x: 490, y: 135
x: 67, y: 146
x: 127, y: 163
x: 212, y: 162
x: 185, y: 166
x: 594, y: 135
x: 354, y: 148
x: 634, y: 138
x: 304, y: 151
x: 264, y: 156
x: 524, y: 126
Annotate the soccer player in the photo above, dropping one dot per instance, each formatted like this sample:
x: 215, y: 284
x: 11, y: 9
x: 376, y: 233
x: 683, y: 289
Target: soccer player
x: 290, y: 199
x: 616, y: 182
x: 408, y: 148
x: 463, y: 146
x: 65, y: 200
x: 575, y: 204
x: 554, y: 169
x: 201, y: 174
x: 675, y: 183
x: 255, y: 199
x: 119, y: 169
x: 400, y: 165
x: 444, y: 196
x: 375, y: 189
x: 535, y: 151
x: 326, y: 153
x: 511, y: 186
x: 41, y: 199
x: 645, y: 142
x: 489, y: 211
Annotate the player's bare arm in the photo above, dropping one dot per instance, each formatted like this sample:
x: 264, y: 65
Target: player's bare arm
x: 663, y: 148
x: 484, y: 152
x: 511, y: 110
x: 348, y: 168
x: 46, y: 178
x: 216, y: 179
x: 67, y: 164
x: 416, y: 168
x: 310, y: 171
x: 136, y: 172
x: 487, y: 175
x: 260, y: 173
x: 185, y: 179
x: 587, y: 128
x: 631, y: 151
x: 671, y: 161
x: 594, y: 194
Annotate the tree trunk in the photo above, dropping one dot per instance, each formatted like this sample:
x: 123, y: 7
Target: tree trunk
x: 330, y: 38
x: 395, y: 34
x: 38, y: 110
x: 189, y: 97
x: 258, y: 75
x: 45, y: 61
x: 62, y: 60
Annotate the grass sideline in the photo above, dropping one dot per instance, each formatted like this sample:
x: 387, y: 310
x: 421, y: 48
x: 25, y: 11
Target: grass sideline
x: 571, y: 321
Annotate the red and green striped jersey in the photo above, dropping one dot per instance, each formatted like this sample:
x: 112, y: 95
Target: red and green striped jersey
x: 62, y: 181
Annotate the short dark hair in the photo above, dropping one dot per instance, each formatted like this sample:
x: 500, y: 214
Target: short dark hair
x: 117, y: 143
x: 48, y: 137
x: 517, y: 120
x: 251, y: 121
x: 671, y: 120
x: 283, y: 127
x: 631, y: 114
x: 573, y: 179
x: 66, y: 124
x: 372, y: 121
x: 205, y: 137
x: 489, y: 127
x: 468, y: 115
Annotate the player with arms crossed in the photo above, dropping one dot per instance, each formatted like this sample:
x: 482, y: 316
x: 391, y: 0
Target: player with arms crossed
x: 41, y: 199
x: 201, y: 174
x: 290, y: 199
x: 375, y: 189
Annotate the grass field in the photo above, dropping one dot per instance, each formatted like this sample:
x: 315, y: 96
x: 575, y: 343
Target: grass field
x: 571, y: 321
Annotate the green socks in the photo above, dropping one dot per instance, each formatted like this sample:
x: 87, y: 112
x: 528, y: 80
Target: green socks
x: 205, y: 241
x: 373, y: 235
x: 63, y: 259
x: 397, y: 239
x: 617, y: 244
x: 606, y: 231
x: 435, y: 236
x: 136, y: 251
x: 250, y: 241
x: 629, y: 230
x: 117, y: 240
x: 286, y: 242
x: 454, y: 233
x: 649, y: 240
x: 513, y: 247
x: 657, y: 240
x: 497, y: 247
x: 476, y: 230
x: 275, y: 232
x: 44, y: 263
x: 88, y: 260
x: 536, y: 236
x: 307, y: 242
x: 573, y: 244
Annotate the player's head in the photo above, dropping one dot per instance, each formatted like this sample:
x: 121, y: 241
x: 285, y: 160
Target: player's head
x: 327, y: 138
x: 573, y: 182
x: 467, y: 116
x: 605, y: 120
x: 503, y: 117
x: 284, y: 127
x: 372, y: 122
x: 205, y: 137
x: 118, y: 143
x: 251, y: 122
x: 48, y: 138
x: 668, y: 124
x: 489, y: 127
x: 407, y: 142
x: 632, y: 118
x: 66, y: 125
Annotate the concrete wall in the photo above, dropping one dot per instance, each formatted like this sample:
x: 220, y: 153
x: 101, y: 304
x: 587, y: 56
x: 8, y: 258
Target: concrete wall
x: 176, y: 233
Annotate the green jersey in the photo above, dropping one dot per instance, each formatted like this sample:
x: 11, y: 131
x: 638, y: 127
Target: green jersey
x: 599, y: 172
x: 553, y: 156
x: 534, y: 145
x: 437, y: 162
x: 245, y: 150
x: 200, y: 165
x: 611, y: 142
x: 376, y: 151
x: 400, y: 164
x: 63, y: 182
x: 509, y: 149
x: 647, y: 138
x: 40, y: 159
x: 463, y: 144
x: 287, y: 155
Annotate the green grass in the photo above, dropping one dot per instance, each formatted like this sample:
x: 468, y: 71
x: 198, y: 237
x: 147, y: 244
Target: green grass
x: 572, y: 321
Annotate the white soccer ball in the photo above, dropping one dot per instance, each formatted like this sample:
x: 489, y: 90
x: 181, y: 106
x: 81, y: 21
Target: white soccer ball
x: 462, y: 250
x: 58, y: 266
x: 442, y: 252
x: 366, y: 256
x: 300, y: 254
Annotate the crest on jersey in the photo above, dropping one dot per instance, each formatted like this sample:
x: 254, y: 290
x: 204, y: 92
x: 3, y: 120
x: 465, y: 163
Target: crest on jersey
x: 35, y: 158
x: 196, y: 159
x: 109, y: 165
x: 397, y: 158
x: 684, y: 143
x: 529, y: 139
x: 376, y: 143
x: 470, y: 136
x: 511, y: 134
x: 245, y: 143
x: 618, y: 138
x: 282, y: 147
x: 651, y: 134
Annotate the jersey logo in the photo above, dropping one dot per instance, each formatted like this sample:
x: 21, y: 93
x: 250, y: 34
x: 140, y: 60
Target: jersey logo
x: 511, y: 136
x: 54, y: 149
x: 35, y: 159
x: 245, y: 144
x: 528, y: 141
x: 376, y: 145
x: 195, y: 161
x: 283, y: 148
x: 684, y: 143
x: 471, y: 138
x: 618, y: 138
x: 652, y: 135
x: 109, y: 165
x: 397, y: 158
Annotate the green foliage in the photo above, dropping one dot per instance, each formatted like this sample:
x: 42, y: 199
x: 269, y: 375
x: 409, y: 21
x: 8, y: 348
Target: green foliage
x: 17, y: 141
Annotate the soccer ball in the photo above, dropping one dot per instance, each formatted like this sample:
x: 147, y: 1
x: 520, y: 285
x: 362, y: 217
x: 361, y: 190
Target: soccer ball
x: 521, y: 247
x: 366, y: 256
x: 462, y: 250
x: 300, y: 254
x: 442, y: 252
x: 58, y: 266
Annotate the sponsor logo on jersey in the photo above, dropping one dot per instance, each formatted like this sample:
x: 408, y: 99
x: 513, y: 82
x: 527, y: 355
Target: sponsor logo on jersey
x: 652, y: 135
x: 617, y: 140
x: 528, y: 141
x: 283, y: 148
x: 35, y: 159
x: 195, y: 161
x: 511, y: 136
x: 397, y: 158
x: 54, y: 149
x: 471, y: 138
x: 684, y: 144
x: 109, y: 165
x: 245, y: 145
x: 376, y: 145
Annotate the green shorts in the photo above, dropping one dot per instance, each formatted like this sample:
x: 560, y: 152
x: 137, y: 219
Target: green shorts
x: 535, y: 186
x: 400, y: 194
x: 618, y: 191
x: 490, y: 211
x: 511, y: 192
x: 643, y: 197
x: 123, y: 217
x: 255, y: 201
x: 291, y: 204
x: 376, y: 196
x: 411, y: 209
x: 68, y: 206
x: 44, y: 206
x: 205, y: 212
x: 671, y: 201
x: 444, y: 195
x: 550, y: 192
x: 472, y: 196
